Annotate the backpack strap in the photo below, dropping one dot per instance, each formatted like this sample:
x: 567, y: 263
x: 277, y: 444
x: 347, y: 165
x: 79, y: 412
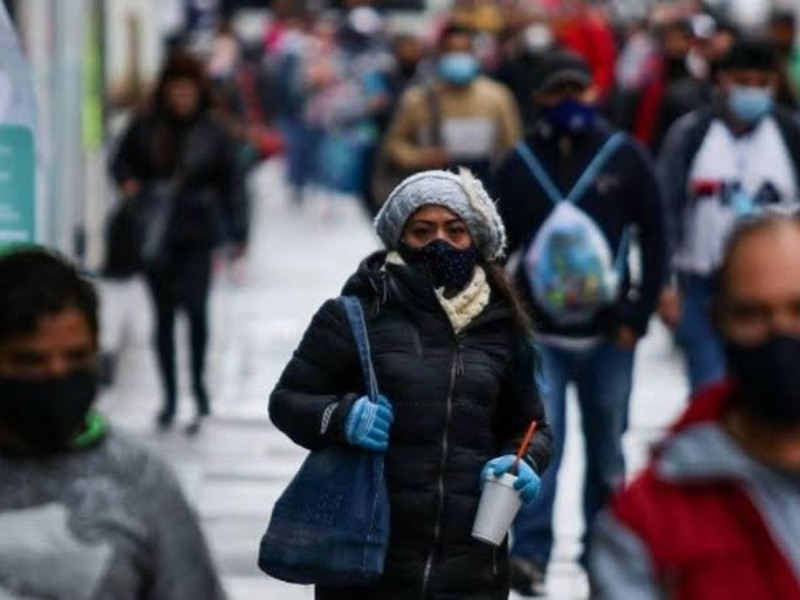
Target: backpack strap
x: 355, y: 316
x: 435, y: 114
x: 589, y: 175
x: 538, y: 172
x: 621, y: 262
x: 594, y: 168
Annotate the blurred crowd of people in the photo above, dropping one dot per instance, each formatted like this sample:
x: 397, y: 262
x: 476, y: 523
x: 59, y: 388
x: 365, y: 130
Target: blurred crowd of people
x: 327, y: 88
x: 513, y: 156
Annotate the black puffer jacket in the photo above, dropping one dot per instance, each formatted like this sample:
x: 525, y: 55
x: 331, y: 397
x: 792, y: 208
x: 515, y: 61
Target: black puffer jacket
x: 459, y: 401
x: 203, y: 156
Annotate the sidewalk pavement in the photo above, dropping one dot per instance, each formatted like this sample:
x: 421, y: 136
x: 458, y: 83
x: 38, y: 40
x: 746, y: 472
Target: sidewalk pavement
x: 237, y: 467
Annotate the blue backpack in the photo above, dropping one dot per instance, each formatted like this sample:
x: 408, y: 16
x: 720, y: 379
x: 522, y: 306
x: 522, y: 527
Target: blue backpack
x: 569, y: 264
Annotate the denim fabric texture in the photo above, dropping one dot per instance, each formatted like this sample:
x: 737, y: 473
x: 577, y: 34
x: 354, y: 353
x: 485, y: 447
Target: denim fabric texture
x: 705, y: 356
x: 331, y: 525
x: 603, y: 378
x: 302, y: 151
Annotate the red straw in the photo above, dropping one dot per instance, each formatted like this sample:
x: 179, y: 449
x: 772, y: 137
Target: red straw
x: 523, y: 447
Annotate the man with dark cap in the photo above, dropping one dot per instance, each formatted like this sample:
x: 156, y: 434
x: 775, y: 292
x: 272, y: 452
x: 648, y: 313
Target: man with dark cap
x: 571, y: 195
x: 84, y: 511
x: 716, y: 514
x: 718, y: 164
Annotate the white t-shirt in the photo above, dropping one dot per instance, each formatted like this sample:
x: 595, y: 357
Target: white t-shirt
x: 730, y: 177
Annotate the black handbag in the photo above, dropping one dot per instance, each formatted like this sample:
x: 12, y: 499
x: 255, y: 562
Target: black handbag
x: 122, y: 257
x: 138, y: 231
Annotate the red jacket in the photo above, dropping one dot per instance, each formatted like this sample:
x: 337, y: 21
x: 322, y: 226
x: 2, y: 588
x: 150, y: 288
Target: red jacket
x: 703, y: 533
x: 591, y: 37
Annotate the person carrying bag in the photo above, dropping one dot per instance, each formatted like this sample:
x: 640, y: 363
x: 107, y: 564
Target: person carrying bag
x: 175, y: 167
x: 449, y: 343
x: 331, y: 525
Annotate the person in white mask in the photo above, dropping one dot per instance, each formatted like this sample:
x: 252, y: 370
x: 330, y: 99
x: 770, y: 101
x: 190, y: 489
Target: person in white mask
x: 461, y: 119
x: 733, y: 159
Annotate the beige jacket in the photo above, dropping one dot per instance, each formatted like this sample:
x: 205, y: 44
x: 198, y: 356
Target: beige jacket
x: 479, y: 121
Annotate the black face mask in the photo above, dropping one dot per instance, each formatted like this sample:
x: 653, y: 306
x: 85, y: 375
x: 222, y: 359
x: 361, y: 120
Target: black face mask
x: 47, y: 414
x: 448, y: 266
x: 676, y: 68
x: 769, y: 376
x: 408, y: 70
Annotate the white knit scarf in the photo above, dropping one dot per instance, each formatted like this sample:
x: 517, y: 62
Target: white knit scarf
x: 464, y: 307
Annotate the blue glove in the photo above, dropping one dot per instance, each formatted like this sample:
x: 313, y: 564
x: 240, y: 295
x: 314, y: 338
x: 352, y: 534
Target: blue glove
x: 368, y: 423
x: 528, y: 482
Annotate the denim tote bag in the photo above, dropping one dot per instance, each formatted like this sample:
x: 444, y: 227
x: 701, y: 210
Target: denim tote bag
x: 330, y: 527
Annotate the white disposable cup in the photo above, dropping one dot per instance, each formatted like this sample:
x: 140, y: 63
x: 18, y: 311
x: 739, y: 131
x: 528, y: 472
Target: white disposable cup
x: 499, y: 504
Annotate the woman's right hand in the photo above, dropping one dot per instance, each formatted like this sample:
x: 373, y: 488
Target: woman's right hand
x: 368, y: 423
x: 131, y: 188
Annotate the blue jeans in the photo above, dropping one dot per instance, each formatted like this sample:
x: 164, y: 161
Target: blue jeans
x: 705, y: 358
x: 604, y: 376
x: 302, y: 142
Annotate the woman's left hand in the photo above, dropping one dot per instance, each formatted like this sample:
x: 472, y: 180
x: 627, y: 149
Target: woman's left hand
x: 528, y: 483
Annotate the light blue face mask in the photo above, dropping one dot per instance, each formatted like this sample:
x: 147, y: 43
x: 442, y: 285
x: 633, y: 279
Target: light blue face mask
x: 459, y: 68
x: 750, y: 104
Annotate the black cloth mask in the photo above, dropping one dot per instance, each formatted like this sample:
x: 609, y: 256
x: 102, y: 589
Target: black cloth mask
x: 47, y: 413
x: 448, y: 266
x: 769, y: 377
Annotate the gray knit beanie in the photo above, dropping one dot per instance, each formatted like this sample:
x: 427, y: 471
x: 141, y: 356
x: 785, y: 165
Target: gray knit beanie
x: 461, y: 193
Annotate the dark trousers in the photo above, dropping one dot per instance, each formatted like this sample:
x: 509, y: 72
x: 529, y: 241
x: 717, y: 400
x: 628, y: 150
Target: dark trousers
x: 603, y: 376
x: 183, y: 285
x: 705, y: 356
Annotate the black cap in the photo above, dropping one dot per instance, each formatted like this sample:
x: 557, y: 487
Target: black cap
x: 750, y: 55
x: 562, y: 66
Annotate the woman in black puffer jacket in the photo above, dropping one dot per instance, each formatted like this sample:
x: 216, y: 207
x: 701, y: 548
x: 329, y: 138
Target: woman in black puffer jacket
x: 449, y: 342
x: 179, y: 144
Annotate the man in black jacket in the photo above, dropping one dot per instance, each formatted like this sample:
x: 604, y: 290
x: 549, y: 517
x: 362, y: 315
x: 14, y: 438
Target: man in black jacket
x: 571, y: 196
x: 719, y: 164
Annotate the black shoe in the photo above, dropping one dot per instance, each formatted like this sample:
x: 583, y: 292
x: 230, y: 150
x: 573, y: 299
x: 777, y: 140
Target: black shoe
x: 193, y: 428
x: 164, y: 421
x: 201, y: 399
x: 527, y: 578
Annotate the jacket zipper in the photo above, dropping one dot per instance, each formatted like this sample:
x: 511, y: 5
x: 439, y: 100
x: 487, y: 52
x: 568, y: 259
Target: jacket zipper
x: 437, y: 530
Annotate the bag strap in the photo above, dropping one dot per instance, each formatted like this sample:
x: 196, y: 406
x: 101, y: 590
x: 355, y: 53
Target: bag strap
x: 589, y: 174
x: 358, y: 325
x: 435, y: 112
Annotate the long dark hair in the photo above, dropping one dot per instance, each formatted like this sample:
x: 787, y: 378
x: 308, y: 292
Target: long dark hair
x: 503, y: 285
x: 170, y: 134
x: 180, y: 64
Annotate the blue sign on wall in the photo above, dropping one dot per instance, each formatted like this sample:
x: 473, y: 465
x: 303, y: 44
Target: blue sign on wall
x: 17, y: 187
